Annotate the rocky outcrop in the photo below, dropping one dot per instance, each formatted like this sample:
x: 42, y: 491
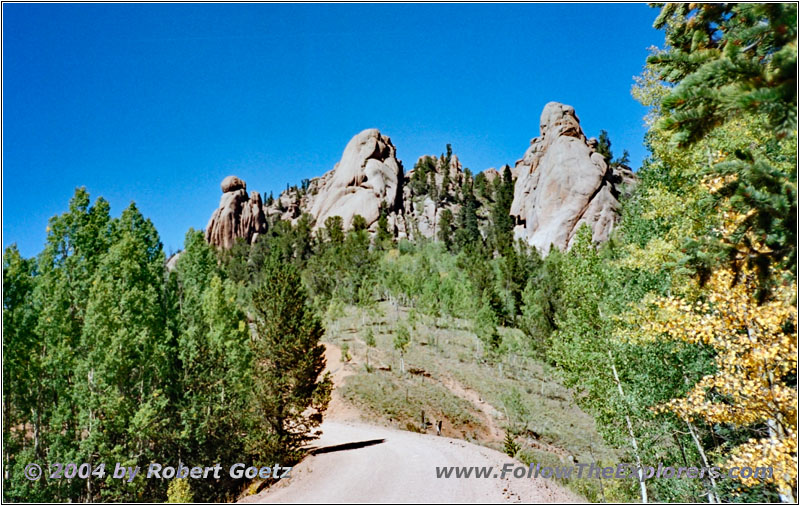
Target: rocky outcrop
x: 562, y: 183
x: 491, y: 174
x: 237, y: 215
x: 367, y: 176
x: 421, y: 215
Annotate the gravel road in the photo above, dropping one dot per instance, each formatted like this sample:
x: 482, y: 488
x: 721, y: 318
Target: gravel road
x: 356, y: 463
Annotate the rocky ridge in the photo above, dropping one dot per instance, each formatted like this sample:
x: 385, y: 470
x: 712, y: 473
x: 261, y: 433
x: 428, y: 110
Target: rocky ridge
x: 561, y: 182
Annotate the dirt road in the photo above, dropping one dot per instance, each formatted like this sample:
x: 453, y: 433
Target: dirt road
x: 355, y: 462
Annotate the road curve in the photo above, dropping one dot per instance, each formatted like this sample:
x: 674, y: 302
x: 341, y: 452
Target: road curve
x: 357, y: 463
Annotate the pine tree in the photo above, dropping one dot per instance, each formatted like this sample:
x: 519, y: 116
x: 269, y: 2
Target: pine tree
x: 501, y: 212
x: 482, y: 187
x: 468, y: 234
x: 383, y: 238
x: 446, y: 228
x: 290, y: 391
x: 444, y: 194
x: 334, y: 229
x: 358, y: 223
x: 604, y: 146
x: 433, y: 189
x: 726, y: 62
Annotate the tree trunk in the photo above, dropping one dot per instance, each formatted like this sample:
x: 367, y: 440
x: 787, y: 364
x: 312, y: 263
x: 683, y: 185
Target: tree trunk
x: 634, y: 444
x: 712, y: 494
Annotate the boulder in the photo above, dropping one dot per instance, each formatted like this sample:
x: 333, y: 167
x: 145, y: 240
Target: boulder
x: 232, y: 183
x: 237, y: 215
x: 562, y: 182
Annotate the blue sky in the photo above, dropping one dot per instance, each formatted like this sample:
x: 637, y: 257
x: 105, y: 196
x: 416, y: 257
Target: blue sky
x: 156, y: 103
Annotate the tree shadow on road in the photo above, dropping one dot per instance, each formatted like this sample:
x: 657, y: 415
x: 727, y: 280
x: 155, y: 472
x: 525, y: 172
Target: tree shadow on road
x: 345, y: 446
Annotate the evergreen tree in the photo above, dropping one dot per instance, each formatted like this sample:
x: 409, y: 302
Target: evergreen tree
x: 334, y: 229
x: 604, y: 146
x: 358, y: 224
x: 444, y: 194
x: 383, y: 238
x: 727, y: 59
x: 468, y: 235
x: 726, y: 62
x: 290, y: 392
x: 433, y: 189
x: 501, y: 212
x: 482, y: 187
x: 446, y: 228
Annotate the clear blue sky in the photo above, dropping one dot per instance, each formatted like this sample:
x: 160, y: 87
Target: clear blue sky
x: 156, y: 103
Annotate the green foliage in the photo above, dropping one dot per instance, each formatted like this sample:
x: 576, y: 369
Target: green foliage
x: 215, y: 365
x: 541, y: 302
x: 510, y: 446
x: 383, y: 238
x: 402, y: 339
x: 342, y: 267
x: 728, y: 63
x: 468, y: 234
x: 369, y: 337
x: 482, y: 187
x: 358, y: 223
x: 604, y: 146
x: 726, y: 60
x: 290, y: 391
x: 126, y: 351
x: 334, y: 229
x: 485, y: 327
x: 446, y: 228
x: 502, y: 221
x: 179, y: 491
x: 107, y: 358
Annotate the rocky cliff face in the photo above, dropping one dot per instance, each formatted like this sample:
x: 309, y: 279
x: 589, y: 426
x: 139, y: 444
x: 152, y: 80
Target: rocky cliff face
x: 562, y: 182
x: 236, y: 216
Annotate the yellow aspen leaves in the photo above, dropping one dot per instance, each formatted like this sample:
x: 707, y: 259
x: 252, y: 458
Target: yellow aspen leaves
x: 756, y: 355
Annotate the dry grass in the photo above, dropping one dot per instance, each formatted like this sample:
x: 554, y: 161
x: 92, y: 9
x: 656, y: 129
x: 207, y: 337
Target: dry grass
x: 448, y: 377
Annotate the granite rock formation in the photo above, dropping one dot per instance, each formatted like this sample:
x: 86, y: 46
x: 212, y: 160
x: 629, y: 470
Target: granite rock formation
x: 237, y: 215
x: 562, y: 183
